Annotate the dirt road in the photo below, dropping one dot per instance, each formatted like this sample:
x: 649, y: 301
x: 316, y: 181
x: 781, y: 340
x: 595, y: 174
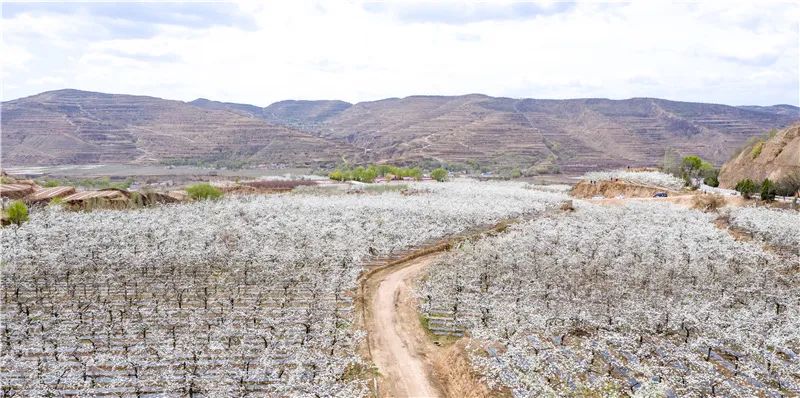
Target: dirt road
x: 398, y: 343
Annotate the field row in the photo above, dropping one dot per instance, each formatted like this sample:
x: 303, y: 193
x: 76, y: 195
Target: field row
x: 638, y: 297
x: 247, y: 296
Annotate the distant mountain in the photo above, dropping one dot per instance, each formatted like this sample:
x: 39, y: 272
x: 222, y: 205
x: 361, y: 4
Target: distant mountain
x: 575, y: 134
x: 70, y: 126
x: 75, y: 127
x: 303, y: 114
x: 773, y: 157
x: 782, y: 109
x: 242, y: 109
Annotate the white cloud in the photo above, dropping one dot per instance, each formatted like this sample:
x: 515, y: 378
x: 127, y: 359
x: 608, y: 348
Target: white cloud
x: 729, y: 53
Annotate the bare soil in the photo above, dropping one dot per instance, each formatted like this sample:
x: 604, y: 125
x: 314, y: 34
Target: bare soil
x: 399, y: 346
x: 409, y: 363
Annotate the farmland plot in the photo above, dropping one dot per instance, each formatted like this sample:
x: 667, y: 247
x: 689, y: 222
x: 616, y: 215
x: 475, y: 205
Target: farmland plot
x: 248, y: 296
x: 640, y: 299
x: 651, y: 178
x: 778, y: 228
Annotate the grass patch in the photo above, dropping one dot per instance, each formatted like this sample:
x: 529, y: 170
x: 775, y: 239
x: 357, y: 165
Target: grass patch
x: 757, y: 149
x: 442, y: 341
x: 90, y: 183
x: 359, y: 371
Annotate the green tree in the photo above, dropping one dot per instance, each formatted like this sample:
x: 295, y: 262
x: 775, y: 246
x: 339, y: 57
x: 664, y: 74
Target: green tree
x: 17, y: 212
x: 415, y: 172
x: 439, y: 174
x: 203, y: 191
x: 746, y: 187
x: 369, y: 174
x: 692, y: 162
x: 693, y: 167
x: 711, y: 181
x: 767, y: 190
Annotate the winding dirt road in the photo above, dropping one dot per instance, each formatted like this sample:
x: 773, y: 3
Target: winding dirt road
x: 398, y: 344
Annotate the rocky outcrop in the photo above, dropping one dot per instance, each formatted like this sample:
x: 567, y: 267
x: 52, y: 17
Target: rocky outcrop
x: 770, y: 158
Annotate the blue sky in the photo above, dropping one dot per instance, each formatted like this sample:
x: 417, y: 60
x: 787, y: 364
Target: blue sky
x: 260, y: 52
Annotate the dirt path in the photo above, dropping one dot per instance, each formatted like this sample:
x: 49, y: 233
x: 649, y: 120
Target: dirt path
x: 408, y: 362
x: 397, y: 341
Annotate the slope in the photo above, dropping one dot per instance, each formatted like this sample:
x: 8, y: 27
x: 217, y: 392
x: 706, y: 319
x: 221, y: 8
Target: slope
x: 772, y: 158
x: 73, y: 127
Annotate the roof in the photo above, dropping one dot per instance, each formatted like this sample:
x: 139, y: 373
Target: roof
x: 43, y: 194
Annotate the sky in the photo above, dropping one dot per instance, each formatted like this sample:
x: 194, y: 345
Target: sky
x: 737, y: 53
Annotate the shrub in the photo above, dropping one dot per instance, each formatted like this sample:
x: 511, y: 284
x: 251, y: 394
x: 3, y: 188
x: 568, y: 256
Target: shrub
x: 17, y: 212
x: 788, y: 185
x: 746, y: 187
x: 369, y: 174
x: 757, y: 149
x: 439, y: 174
x: 337, y: 175
x: 711, y: 181
x: 203, y: 191
x: 55, y: 202
x: 767, y: 190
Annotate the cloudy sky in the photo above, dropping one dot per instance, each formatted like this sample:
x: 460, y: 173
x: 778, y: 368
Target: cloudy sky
x: 723, y: 52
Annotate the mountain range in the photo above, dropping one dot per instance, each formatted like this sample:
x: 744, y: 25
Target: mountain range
x: 533, y: 135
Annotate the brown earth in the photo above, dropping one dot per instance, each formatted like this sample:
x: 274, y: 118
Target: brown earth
x: 612, y: 189
x: 778, y: 156
x: 408, y: 362
x: 79, y: 127
x: 574, y: 135
x: 536, y: 136
x: 400, y: 349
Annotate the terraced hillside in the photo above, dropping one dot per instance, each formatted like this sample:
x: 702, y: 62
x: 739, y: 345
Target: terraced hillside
x: 71, y: 126
x: 577, y: 134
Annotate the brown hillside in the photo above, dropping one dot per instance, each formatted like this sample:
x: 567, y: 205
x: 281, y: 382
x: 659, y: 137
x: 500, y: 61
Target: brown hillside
x: 777, y: 156
x: 74, y: 127
x: 579, y: 134
x: 70, y: 126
